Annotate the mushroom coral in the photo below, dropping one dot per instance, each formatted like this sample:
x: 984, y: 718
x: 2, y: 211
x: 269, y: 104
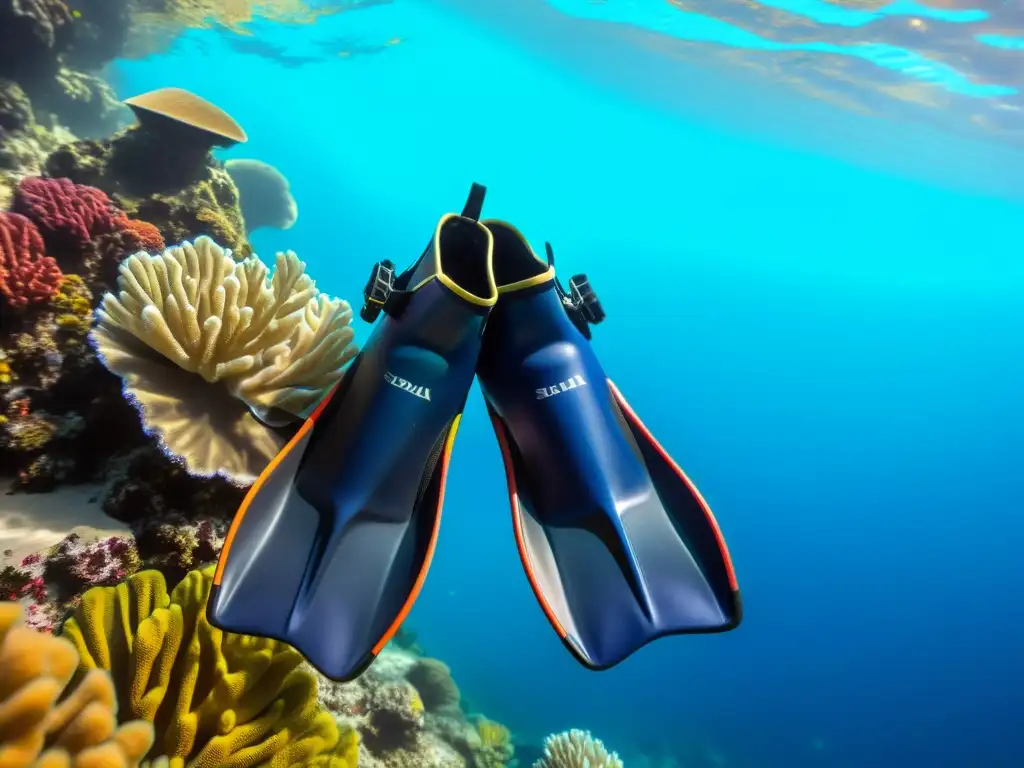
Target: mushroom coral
x: 170, y: 146
x: 198, y: 339
x: 576, y: 749
x: 217, y: 700
x: 44, y: 722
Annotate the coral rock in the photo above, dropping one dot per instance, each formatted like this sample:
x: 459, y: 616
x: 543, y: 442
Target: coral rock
x: 15, y: 108
x: 433, y: 680
x: 27, y: 275
x: 182, y: 209
x: 32, y: 34
x: 265, y: 195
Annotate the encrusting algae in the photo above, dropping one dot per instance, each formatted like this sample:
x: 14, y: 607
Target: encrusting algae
x: 216, y: 700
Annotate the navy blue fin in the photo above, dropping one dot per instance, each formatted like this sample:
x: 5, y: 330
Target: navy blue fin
x: 617, y: 543
x: 330, y: 547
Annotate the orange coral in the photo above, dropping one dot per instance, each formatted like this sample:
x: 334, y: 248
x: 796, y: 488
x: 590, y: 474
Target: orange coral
x: 145, y: 234
x: 43, y: 721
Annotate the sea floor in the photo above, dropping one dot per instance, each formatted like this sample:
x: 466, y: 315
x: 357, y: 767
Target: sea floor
x: 32, y: 522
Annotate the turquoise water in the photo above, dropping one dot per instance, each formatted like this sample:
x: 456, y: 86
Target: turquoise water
x: 818, y: 314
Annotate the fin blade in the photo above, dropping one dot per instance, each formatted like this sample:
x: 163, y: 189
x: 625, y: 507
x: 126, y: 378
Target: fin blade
x: 613, y: 584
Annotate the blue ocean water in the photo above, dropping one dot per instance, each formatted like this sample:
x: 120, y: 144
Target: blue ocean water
x: 817, y: 312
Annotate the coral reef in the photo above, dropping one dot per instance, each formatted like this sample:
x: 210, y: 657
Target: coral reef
x: 161, y: 170
x: 215, y: 699
x: 32, y: 35
x: 433, y: 680
x: 576, y: 749
x: 69, y: 215
x: 399, y: 730
x: 192, y: 317
x: 61, y: 413
x: 265, y: 195
x: 27, y: 275
x: 44, y: 721
x: 209, y: 206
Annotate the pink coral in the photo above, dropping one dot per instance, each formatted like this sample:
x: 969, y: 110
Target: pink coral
x: 27, y: 275
x: 69, y: 215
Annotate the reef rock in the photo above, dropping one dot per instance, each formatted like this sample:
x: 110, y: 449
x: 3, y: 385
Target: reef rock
x: 386, y: 706
x: 33, y: 33
x: 209, y: 205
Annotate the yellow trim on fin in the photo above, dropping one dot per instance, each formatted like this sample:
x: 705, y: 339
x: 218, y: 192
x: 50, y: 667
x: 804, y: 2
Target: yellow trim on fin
x: 530, y: 282
x: 451, y: 285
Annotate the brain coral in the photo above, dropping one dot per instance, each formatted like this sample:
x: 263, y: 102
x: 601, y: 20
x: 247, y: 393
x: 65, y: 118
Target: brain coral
x: 37, y: 730
x: 191, y: 325
x: 217, y: 700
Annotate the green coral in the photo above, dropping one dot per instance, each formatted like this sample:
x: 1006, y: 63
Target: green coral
x: 217, y: 700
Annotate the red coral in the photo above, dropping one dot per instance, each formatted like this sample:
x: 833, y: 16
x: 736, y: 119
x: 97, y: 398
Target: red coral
x: 141, y: 235
x: 27, y: 275
x: 69, y: 215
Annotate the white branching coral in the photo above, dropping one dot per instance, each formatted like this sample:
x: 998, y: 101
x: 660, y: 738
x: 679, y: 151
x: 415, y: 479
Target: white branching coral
x: 576, y: 749
x: 266, y: 341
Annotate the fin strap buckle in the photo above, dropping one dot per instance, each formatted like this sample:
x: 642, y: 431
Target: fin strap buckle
x: 580, y: 301
x: 378, y: 290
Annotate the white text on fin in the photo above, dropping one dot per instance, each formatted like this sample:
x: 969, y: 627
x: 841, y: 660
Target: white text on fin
x: 563, y: 386
x: 407, y: 386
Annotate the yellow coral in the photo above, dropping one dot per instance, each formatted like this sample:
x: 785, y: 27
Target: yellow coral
x: 73, y: 303
x: 218, y: 700
x: 493, y: 734
x: 31, y: 433
x: 38, y: 732
x: 496, y: 748
x: 6, y: 375
x: 416, y: 704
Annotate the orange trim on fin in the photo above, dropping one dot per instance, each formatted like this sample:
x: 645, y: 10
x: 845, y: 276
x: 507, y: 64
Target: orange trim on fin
x: 730, y: 571
x: 517, y: 525
x: 422, y: 575
x: 307, y: 425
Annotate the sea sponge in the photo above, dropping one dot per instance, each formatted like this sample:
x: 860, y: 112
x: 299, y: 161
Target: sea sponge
x: 576, y: 749
x: 193, y: 317
x: 217, y: 700
x: 81, y: 730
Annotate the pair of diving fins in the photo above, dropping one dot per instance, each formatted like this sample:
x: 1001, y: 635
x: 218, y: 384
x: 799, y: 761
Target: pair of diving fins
x: 331, y: 546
